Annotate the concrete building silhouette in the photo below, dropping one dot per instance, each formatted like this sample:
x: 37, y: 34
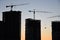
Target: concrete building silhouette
x: 12, y: 25
x: 55, y: 30
x: 32, y: 30
x: 1, y: 31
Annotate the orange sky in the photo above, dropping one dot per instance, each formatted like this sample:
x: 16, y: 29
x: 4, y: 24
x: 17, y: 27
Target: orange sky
x: 45, y: 33
x: 44, y: 36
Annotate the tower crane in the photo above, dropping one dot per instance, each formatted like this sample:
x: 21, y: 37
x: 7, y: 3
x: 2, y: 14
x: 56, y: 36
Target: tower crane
x: 37, y: 11
x: 54, y: 16
x: 11, y: 6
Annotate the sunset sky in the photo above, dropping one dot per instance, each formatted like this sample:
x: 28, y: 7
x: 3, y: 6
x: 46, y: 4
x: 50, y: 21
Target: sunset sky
x: 52, y: 6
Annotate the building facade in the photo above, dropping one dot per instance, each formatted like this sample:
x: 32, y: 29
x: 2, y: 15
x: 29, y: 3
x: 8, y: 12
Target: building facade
x: 56, y: 30
x: 33, y: 29
x: 1, y: 30
x: 12, y: 25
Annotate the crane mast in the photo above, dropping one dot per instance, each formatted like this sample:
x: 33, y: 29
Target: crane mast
x: 33, y: 13
x: 38, y: 11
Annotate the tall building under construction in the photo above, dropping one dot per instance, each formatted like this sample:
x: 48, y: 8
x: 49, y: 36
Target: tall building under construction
x: 55, y: 30
x: 1, y: 31
x: 33, y: 29
x: 12, y: 25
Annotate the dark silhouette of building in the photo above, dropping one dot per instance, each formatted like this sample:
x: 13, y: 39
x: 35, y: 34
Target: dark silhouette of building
x: 55, y: 30
x: 1, y: 31
x: 12, y: 25
x: 32, y: 30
